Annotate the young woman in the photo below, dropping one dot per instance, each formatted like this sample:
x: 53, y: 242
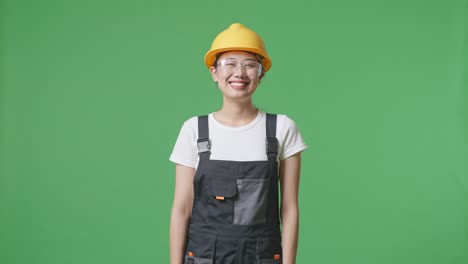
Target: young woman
x: 227, y: 208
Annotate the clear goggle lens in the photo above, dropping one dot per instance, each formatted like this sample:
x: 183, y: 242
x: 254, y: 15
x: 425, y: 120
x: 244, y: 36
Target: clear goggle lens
x: 248, y: 66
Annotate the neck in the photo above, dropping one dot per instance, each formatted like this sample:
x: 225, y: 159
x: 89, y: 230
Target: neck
x: 236, y: 114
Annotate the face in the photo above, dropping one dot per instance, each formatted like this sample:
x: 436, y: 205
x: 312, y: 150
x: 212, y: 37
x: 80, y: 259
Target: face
x: 237, y: 74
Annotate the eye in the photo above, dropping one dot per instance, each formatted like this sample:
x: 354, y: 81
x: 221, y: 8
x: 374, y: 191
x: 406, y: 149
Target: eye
x: 250, y: 65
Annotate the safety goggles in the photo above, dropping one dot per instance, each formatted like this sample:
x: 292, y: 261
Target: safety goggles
x: 250, y: 67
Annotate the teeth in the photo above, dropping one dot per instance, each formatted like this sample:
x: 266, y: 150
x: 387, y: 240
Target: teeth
x: 237, y: 84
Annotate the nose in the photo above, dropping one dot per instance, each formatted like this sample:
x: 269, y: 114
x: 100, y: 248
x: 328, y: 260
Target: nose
x: 239, y: 71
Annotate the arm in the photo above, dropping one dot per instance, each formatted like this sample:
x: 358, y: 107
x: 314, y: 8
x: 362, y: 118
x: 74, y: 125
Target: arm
x: 289, y: 179
x: 181, y: 212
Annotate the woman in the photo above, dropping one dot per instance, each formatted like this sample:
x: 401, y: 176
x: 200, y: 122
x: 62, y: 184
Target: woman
x: 228, y: 164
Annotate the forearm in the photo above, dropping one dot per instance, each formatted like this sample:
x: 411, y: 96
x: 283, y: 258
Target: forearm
x: 290, y: 226
x: 178, y: 231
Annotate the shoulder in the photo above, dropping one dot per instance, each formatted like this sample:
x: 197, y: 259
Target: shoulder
x: 190, y: 127
x: 285, y: 126
x: 191, y: 121
x: 284, y: 122
x: 289, y: 137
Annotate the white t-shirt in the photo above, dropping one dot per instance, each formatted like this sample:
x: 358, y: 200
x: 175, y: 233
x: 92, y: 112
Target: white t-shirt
x: 245, y: 143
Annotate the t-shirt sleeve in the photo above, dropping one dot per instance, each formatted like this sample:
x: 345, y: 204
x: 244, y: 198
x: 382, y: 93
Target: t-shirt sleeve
x: 291, y: 141
x: 185, y: 152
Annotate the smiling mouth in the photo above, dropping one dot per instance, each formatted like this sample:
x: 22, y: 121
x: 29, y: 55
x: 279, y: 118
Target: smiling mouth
x: 238, y: 84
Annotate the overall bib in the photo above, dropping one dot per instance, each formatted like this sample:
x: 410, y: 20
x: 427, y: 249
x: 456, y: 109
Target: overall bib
x: 235, y: 216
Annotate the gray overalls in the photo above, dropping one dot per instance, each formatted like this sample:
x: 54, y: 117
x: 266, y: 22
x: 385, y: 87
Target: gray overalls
x: 235, y: 216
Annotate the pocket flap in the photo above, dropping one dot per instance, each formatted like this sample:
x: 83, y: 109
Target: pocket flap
x: 222, y: 189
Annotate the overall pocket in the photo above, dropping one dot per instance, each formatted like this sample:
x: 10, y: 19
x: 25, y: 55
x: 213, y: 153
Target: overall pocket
x: 251, y: 204
x: 270, y: 250
x: 200, y: 249
x: 221, y: 200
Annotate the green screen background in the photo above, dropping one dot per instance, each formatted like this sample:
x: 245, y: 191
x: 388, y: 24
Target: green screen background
x: 93, y: 94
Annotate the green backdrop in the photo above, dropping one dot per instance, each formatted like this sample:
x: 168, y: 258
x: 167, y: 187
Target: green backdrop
x: 93, y: 94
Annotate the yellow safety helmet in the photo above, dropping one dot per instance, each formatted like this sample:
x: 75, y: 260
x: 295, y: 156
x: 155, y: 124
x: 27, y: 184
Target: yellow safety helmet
x: 238, y: 37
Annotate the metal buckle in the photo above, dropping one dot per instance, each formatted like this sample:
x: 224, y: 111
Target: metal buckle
x: 203, y: 145
x: 271, y: 145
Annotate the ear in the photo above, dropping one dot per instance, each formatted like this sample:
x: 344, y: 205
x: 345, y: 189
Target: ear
x: 214, y: 73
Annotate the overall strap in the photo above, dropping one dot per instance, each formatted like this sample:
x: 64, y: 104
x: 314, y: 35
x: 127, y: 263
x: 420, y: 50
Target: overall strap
x: 203, y: 141
x: 271, y: 140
